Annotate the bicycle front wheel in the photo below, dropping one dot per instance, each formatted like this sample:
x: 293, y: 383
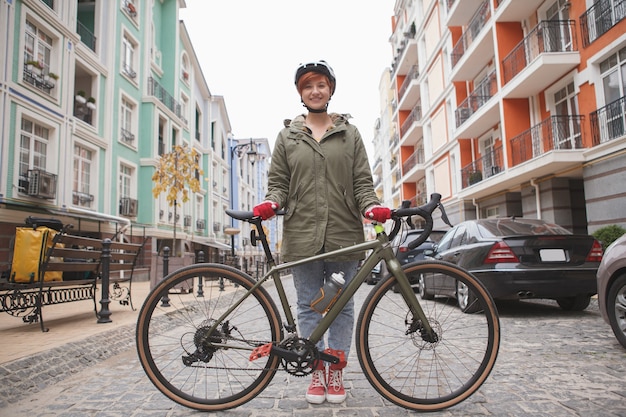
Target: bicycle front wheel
x: 420, y: 374
x: 197, y: 359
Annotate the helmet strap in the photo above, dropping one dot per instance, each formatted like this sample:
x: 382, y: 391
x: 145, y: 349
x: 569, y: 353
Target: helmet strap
x: 322, y: 110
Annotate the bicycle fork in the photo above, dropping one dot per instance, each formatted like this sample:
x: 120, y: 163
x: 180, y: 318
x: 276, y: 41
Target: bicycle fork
x: 420, y: 322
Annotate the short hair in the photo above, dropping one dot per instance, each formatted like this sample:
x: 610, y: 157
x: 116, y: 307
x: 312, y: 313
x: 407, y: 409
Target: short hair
x: 309, y: 76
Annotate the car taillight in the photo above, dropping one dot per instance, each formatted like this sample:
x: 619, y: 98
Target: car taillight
x: 403, y: 249
x: 595, y: 254
x: 499, y: 253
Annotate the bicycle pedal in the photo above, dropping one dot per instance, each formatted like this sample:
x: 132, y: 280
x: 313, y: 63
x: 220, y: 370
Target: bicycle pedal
x: 326, y: 357
x: 261, y: 351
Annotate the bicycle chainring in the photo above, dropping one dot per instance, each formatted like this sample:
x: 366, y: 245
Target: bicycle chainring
x: 307, y: 356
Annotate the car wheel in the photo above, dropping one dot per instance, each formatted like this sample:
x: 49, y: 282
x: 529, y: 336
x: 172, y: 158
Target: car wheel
x: 616, y: 308
x: 466, y: 299
x: 424, y: 294
x: 577, y: 303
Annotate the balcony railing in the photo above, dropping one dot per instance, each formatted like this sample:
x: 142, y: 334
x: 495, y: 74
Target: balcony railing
x: 127, y: 136
x: 86, y: 36
x: 478, y: 22
x: 599, y: 18
x: 414, y: 116
x: 609, y: 122
x: 200, y: 224
x: 547, y: 36
x: 554, y: 133
x: 416, y: 157
x: 155, y: 89
x: 412, y: 75
x: 481, y: 95
x: 482, y: 168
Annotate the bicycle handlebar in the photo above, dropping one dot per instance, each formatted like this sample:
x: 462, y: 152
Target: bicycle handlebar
x: 425, y: 211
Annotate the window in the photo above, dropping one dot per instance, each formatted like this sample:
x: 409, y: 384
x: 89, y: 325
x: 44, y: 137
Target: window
x: 37, y: 57
x: 126, y: 131
x: 128, y: 56
x: 126, y: 176
x: 566, y: 130
x: 128, y: 206
x: 83, y: 164
x: 33, y: 158
x: 184, y: 70
x: 184, y: 108
x: 613, y: 73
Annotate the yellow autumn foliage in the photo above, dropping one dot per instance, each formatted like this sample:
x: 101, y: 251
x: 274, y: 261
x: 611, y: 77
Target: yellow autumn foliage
x: 177, y: 173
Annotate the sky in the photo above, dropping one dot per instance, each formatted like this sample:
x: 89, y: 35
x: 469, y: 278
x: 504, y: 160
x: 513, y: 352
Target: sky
x: 249, y: 51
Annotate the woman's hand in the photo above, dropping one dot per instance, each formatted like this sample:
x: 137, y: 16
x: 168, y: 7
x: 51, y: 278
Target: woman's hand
x: 378, y: 213
x: 265, y: 210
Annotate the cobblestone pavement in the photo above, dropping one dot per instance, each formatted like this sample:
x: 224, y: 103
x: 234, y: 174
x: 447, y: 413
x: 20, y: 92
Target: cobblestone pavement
x: 551, y: 363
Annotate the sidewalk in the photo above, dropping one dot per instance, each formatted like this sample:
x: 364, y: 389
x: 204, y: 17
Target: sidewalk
x: 70, y: 322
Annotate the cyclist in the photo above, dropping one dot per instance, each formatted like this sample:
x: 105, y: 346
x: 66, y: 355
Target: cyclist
x: 320, y: 174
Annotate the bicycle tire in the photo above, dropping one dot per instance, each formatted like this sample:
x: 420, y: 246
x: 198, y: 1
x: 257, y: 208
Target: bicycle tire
x: 416, y: 374
x: 176, y: 349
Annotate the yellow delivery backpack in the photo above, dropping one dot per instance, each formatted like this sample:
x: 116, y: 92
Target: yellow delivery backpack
x: 31, y: 244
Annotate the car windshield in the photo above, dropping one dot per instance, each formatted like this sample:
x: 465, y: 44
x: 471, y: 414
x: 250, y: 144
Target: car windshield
x: 519, y: 227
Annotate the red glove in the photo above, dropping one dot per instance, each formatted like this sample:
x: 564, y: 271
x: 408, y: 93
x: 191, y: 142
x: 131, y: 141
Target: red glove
x: 265, y: 210
x: 378, y: 213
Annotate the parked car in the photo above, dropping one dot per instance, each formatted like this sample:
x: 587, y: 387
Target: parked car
x: 406, y: 255
x: 612, y: 288
x: 518, y: 258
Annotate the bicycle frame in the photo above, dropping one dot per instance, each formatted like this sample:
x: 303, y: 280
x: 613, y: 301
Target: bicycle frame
x: 381, y: 251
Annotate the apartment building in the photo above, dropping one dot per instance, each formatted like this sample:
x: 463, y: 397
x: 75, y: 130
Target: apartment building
x: 93, y: 92
x: 510, y: 108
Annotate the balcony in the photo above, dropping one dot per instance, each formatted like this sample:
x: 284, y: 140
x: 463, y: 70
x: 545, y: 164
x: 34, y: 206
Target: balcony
x: 36, y: 77
x: 485, y: 167
x: 459, y: 11
x: 86, y: 36
x: 599, y: 19
x: 556, y: 133
x: 609, y: 122
x: 547, y: 53
x: 411, y: 128
x: 156, y: 90
x: 515, y: 10
x: 405, y: 56
x: 408, y: 80
x: 475, y: 48
x: 413, y: 167
x: 477, y: 113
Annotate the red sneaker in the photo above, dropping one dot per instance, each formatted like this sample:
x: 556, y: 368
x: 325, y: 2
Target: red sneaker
x: 316, y: 394
x: 336, y: 393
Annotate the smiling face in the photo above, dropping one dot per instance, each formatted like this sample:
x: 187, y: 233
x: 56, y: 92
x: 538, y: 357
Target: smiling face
x: 314, y: 90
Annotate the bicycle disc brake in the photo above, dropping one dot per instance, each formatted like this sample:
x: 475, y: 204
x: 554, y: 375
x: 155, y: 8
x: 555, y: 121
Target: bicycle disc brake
x: 304, y: 357
x: 420, y: 336
x: 203, y: 340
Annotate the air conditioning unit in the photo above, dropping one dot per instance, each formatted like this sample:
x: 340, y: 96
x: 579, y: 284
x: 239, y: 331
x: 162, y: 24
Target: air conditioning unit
x: 200, y: 224
x: 187, y: 221
x: 42, y: 184
x: 128, y: 207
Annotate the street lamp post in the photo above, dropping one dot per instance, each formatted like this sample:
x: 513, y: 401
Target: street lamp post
x: 248, y: 149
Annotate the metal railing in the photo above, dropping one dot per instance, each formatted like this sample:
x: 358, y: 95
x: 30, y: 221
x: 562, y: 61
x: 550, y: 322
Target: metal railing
x: 487, y: 166
x: 478, y: 22
x: 548, y: 36
x: 86, y: 36
x: 481, y: 95
x: 412, y: 75
x: 608, y: 122
x: 416, y: 157
x: 554, y: 133
x: 155, y: 89
x: 599, y: 18
x: 414, y: 116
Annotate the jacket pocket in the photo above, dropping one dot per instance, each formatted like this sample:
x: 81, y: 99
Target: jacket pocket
x: 350, y: 204
x: 292, y: 203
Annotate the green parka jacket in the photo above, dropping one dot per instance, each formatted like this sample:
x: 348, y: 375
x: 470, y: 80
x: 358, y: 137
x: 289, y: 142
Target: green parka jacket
x: 324, y: 186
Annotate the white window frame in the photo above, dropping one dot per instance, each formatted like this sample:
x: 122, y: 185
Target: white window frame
x: 83, y: 194
x: 128, y: 62
x: 128, y: 121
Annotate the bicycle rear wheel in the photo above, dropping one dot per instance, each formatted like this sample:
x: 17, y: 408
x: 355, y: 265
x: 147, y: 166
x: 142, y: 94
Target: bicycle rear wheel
x: 421, y: 375
x: 198, y: 367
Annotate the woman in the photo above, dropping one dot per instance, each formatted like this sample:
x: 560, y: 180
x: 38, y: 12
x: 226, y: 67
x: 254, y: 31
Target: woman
x: 320, y: 173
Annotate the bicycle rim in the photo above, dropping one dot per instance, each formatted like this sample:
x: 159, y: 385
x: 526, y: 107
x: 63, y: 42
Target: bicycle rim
x: 420, y: 375
x: 178, y: 351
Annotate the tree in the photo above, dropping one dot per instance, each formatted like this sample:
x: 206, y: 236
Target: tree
x: 177, y: 173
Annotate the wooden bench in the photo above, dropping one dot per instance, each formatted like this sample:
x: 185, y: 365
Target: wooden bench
x: 85, y: 263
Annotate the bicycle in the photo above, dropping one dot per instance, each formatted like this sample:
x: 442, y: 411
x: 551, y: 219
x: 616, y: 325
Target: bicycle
x: 219, y: 351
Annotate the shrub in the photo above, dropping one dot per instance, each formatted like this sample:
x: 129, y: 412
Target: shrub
x: 608, y: 234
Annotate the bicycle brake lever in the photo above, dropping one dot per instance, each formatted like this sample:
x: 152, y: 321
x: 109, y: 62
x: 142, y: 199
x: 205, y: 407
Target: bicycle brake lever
x: 444, y: 216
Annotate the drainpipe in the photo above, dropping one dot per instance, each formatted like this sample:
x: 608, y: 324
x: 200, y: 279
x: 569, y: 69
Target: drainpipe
x: 477, y: 208
x: 537, y: 197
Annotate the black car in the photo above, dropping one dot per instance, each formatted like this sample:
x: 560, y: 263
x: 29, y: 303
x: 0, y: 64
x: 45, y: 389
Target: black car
x: 406, y: 255
x: 518, y: 258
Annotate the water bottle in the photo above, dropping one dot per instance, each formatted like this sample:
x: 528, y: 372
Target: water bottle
x: 327, y: 295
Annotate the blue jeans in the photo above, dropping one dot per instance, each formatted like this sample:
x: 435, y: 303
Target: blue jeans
x: 308, y: 279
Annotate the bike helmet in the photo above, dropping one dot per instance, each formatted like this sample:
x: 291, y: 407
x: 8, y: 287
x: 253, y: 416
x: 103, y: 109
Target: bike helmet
x: 321, y: 67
